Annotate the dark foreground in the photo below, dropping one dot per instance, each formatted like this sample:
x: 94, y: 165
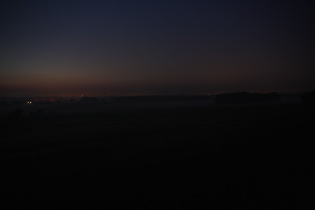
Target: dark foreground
x: 160, y: 157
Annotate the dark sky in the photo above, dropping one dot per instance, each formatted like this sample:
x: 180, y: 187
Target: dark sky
x: 124, y: 47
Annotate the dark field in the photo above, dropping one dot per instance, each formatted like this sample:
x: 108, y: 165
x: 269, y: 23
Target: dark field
x: 159, y: 155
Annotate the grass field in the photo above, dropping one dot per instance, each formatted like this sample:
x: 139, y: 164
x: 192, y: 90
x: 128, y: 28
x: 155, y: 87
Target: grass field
x: 168, y: 155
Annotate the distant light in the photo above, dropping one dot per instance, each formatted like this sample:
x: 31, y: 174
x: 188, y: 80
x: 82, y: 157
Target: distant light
x: 29, y: 102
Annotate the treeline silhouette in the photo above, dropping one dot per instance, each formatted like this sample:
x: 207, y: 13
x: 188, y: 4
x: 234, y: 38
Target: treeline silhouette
x: 161, y: 98
x: 245, y: 97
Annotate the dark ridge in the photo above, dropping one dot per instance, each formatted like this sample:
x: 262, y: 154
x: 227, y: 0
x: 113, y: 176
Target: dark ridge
x: 245, y: 97
x: 161, y: 98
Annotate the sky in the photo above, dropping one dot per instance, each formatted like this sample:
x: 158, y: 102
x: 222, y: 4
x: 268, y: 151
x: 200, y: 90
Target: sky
x: 123, y: 47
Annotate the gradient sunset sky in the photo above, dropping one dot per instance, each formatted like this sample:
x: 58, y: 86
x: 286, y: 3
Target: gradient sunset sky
x: 124, y: 47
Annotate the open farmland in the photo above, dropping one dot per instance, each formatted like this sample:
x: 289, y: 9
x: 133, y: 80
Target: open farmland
x: 179, y: 155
